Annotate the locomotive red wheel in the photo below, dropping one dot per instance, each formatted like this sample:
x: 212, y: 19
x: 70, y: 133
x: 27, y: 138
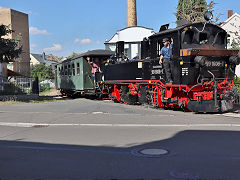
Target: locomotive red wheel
x: 126, y: 97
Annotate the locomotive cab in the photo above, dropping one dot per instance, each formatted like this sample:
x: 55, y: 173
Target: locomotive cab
x: 199, y: 53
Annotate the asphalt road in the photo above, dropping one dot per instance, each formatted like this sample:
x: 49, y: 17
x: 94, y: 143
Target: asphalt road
x: 84, y: 139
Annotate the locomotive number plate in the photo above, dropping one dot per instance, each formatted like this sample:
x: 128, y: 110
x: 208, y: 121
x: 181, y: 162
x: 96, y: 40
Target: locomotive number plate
x: 157, y: 71
x: 215, y: 63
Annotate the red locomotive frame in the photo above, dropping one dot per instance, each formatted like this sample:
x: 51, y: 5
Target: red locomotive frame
x: 168, y: 96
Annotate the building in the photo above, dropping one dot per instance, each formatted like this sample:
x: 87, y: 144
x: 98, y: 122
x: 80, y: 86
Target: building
x: 18, y: 22
x: 132, y: 37
x: 41, y: 59
x: 232, y: 26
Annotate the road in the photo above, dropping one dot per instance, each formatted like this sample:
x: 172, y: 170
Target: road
x: 100, y: 140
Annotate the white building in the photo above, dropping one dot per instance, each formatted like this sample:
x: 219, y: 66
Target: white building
x: 232, y: 26
x: 132, y: 37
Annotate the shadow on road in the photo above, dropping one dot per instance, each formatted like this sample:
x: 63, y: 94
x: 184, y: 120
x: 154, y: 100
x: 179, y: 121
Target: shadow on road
x: 191, y: 154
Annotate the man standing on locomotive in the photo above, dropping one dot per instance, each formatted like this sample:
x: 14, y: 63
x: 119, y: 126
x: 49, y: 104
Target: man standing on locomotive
x: 165, y: 59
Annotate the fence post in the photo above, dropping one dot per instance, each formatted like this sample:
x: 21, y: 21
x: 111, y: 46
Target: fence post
x: 35, y: 86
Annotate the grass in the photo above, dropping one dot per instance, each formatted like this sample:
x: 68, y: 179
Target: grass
x: 44, y: 97
x: 48, y: 92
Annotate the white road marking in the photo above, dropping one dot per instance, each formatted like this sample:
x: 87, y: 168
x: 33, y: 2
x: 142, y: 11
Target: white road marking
x: 15, y: 124
x: 231, y: 115
x: 89, y: 113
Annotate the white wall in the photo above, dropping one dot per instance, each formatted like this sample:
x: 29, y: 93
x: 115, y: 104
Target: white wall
x: 132, y: 37
x: 133, y: 34
x: 232, y: 26
x: 134, y: 50
x: 238, y: 71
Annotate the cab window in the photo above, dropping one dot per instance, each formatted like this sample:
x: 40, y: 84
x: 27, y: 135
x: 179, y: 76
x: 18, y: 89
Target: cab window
x: 188, y: 37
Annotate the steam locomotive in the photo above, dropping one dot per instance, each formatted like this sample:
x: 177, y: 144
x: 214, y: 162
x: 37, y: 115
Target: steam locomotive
x: 203, y: 72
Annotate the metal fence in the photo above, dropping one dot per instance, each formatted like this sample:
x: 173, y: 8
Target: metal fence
x: 3, y: 82
x: 16, y: 85
x: 22, y: 83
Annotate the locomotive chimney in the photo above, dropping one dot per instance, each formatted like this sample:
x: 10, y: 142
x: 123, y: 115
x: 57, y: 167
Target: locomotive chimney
x: 230, y: 13
x: 131, y: 13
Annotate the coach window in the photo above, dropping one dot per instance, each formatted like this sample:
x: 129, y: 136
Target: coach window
x: 78, y: 69
x: 65, y: 70
x: 69, y: 70
x: 73, y: 69
x: 59, y: 70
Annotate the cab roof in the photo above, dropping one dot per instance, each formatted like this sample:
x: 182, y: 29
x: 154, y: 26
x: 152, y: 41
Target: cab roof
x: 168, y: 31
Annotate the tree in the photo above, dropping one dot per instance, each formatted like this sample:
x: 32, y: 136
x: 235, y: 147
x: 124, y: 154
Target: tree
x: 41, y: 71
x: 73, y: 55
x: 236, y: 42
x: 193, y: 10
x: 9, y: 48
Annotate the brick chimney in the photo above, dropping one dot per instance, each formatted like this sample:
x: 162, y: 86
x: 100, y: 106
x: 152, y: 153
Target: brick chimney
x: 230, y: 13
x: 131, y: 13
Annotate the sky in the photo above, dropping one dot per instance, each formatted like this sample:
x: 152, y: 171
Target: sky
x: 62, y: 27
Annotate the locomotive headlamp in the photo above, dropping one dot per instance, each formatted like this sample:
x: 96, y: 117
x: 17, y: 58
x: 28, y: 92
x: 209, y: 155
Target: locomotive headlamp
x: 200, y: 60
x: 234, y: 60
x: 208, y: 16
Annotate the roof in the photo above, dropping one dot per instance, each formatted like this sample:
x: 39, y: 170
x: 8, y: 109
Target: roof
x: 97, y: 52
x: 116, y: 35
x: 91, y: 53
x: 38, y: 57
x: 179, y: 28
x: 230, y: 18
x: 13, y: 73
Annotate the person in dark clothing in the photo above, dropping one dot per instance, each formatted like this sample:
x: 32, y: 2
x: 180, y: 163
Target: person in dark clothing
x: 165, y: 59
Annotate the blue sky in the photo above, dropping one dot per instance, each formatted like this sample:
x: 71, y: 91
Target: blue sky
x: 61, y: 27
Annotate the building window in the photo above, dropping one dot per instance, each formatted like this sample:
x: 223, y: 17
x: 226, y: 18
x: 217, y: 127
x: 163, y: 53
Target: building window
x: 78, y: 69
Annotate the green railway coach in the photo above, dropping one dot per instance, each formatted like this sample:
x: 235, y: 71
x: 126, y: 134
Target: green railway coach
x: 74, y: 75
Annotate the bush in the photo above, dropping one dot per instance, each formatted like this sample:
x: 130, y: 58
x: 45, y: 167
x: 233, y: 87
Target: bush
x: 41, y: 71
x: 44, y: 87
x: 11, y: 89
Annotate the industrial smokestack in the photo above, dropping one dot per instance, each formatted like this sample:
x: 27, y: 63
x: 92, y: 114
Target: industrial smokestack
x: 131, y: 13
x: 230, y: 13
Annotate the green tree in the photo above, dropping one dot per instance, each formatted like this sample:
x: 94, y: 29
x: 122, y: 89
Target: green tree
x: 73, y: 55
x: 41, y: 71
x: 9, y: 48
x: 236, y: 43
x: 193, y: 10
